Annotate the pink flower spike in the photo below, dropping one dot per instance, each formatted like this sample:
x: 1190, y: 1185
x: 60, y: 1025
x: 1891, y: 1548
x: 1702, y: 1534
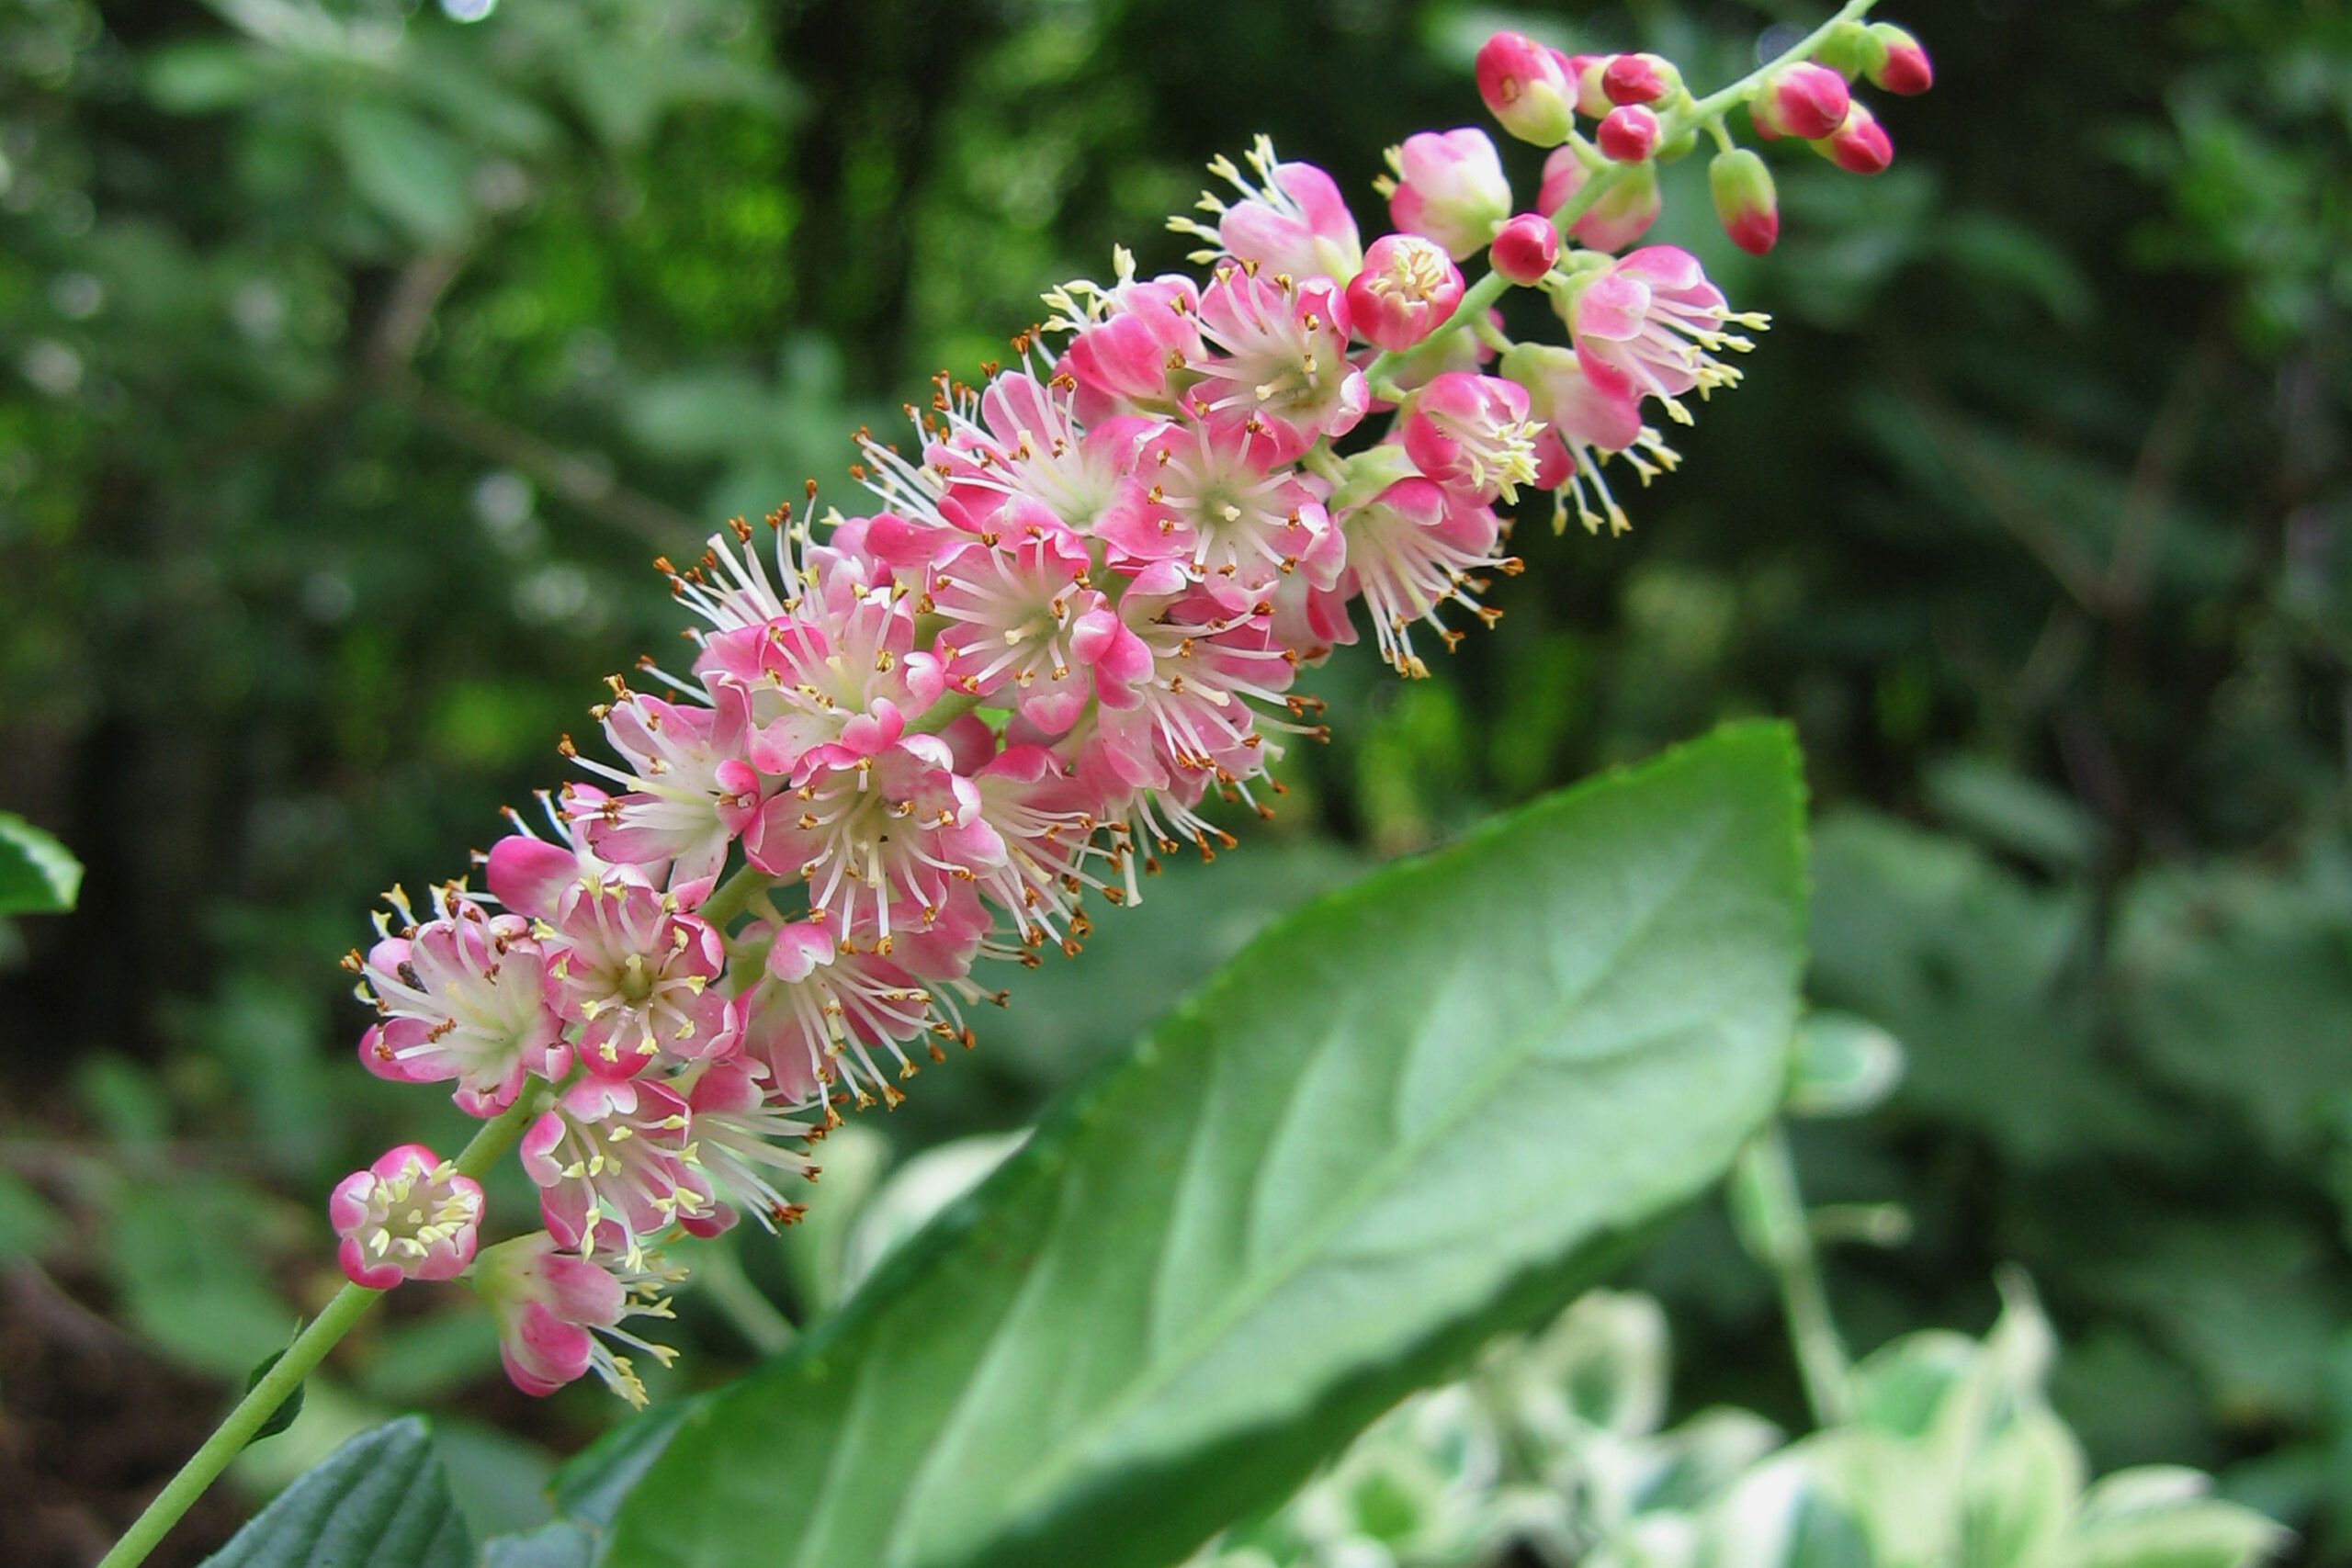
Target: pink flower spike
x: 1639, y: 79
x: 1407, y: 286
x: 1529, y: 89
x: 1281, y: 365
x: 1471, y: 434
x: 551, y: 1308
x: 1806, y: 101
x: 408, y: 1216
x: 1860, y: 146
x: 1896, y: 62
x: 1449, y: 186
x: 1629, y: 135
x: 1524, y: 249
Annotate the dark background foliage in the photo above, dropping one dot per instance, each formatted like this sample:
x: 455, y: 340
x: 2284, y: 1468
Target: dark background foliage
x: 355, y: 357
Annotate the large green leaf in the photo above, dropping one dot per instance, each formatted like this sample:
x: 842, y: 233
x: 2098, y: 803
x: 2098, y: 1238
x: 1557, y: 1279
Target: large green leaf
x: 1415, y: 1113
x: 38, y: 875
x: 379, y: 1501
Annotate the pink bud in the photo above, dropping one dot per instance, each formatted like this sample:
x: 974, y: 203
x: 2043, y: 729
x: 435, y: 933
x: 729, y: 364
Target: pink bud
x: 1527, y: 88
x: 1408, y: 285
x: 1450, y: 187
x: 1524, y: 249
x: 1592, y: 100
x: 1859, y: 146
x: 1629, y: 135
x: 1806, y: 101
x: 1745, y: 202
x: 1639, y: 79
x: 1615, y: 221
x: 1896, y: 62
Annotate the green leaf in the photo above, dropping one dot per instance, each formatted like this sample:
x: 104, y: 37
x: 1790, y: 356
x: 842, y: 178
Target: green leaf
x: 379, y: 1501
x: 1413, y: 1115
x: 592, y: 1482
x: 407, y: 168
x: 281, y: 1417
x: 38, y: 875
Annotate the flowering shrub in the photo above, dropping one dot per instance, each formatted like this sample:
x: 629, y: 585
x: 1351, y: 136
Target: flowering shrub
x: 907, y: 742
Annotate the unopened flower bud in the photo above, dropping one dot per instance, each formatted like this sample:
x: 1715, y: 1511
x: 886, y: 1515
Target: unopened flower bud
x: 1629, y: 135
x: 1845, y: 50
x: 1409, y: 285
x: 1895, y: 62
x: 1745, y: 201
x: 1859, y: 146
x: 1527, y: 88
x: 1524, y: 249
x: 1450, y: 187
x: 1806, y: 101
x: 408, y: 1216
x: 1589, y: 70
x: 1640, y: 79
x: 1620, y: 217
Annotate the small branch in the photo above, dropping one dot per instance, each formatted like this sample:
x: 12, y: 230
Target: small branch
x: 584, y: 485
x: 286, y: 1374
x: 1779, y: 1237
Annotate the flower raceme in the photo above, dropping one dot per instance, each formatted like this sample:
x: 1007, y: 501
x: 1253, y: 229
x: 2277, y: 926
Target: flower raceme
x: 912, y: 744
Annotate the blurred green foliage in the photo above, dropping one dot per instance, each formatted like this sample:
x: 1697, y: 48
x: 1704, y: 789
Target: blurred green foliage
x: 355, y: 356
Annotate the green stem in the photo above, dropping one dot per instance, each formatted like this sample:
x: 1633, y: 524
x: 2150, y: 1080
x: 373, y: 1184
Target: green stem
x: 1480, y: 297
x: 727, y: 900
x: 951, y: 707
x: 1780, y: 1238
x: 743, y: 1304
x: 286, y: 1374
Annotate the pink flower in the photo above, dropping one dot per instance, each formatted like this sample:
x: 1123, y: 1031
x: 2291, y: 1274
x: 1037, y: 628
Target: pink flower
x: 637, y: 973
x: 1471, y: 434
x: 1226, y: 506
x: 1806, y: 101
x: 1020, y: 440
x: 408, y: 1216
x: 616, y: 1167
x: 821, y: 1010
x: 746, y: 1138
x: 1282, y: 360
x: 1412, y: 550
x: 1407, y: 286
x: 461, y: 997
x: 687, y: 792
x: 1449, y: 187
x: 1587, y: 420
x: 1653, y: 320
x: 1527, y: 88
x: 1629, y: 135
x: 1011, y: 607
x: 1622, y: 214
x: 1291, y: 221
x: 555, y: 1311
x: 1524, y: 249
x: 1134, y: 356
x: 877, y: 835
